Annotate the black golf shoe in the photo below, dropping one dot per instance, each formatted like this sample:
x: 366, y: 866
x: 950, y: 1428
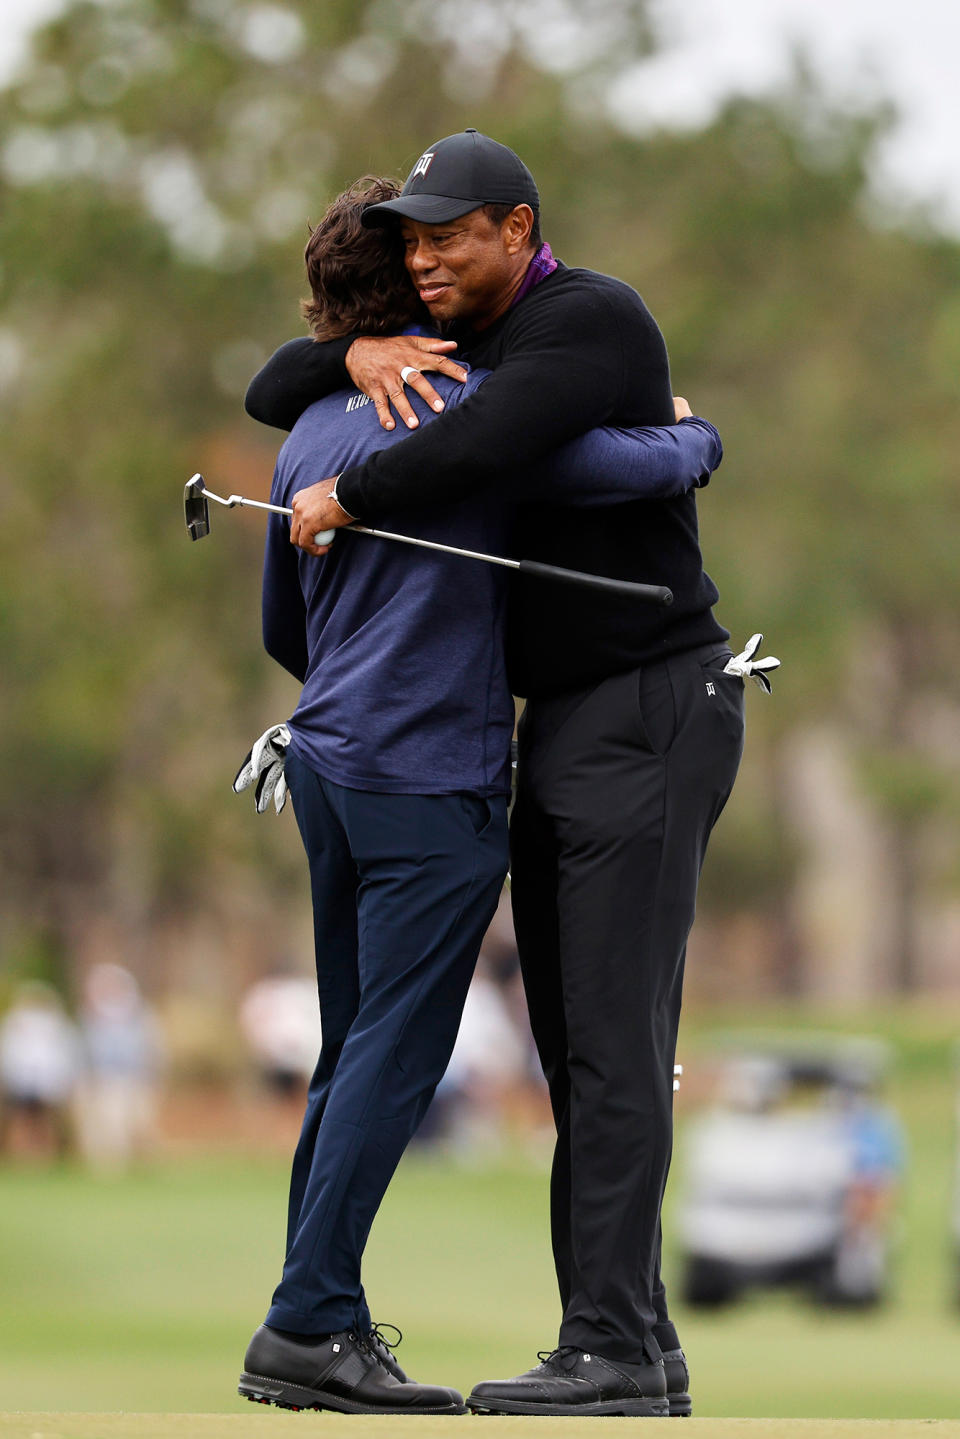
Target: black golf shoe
x: 342, y: 1372
x: 568, y: 1381
x: 678, y: 1382
x: 675, y: 1366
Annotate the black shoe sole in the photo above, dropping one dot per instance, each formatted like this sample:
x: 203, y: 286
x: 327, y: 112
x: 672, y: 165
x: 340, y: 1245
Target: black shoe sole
x: 680, y: 1405
x: 260, y: 1389
x: 645, y: 1408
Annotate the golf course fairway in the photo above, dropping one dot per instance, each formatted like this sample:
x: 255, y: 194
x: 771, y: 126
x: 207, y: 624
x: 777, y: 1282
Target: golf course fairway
x: 38, y: 1425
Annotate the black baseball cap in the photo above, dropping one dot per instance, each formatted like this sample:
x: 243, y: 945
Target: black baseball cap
x: 456, y: 175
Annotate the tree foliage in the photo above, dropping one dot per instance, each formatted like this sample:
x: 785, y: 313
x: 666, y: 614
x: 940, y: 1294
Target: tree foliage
x: 160, y: 162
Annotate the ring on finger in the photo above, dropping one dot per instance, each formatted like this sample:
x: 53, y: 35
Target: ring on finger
x: 406, y: 372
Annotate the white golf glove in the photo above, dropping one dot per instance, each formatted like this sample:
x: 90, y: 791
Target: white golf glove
x: 265, y: 765
x: 744, y: 664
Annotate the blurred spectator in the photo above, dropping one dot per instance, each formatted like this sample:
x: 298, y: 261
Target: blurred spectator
x: 39, y: 1068
x: 489, y: 1062
x: 876, y: 1146
x: 493, y: 1091
x: 123, y: 1054
x: 280, y: 1019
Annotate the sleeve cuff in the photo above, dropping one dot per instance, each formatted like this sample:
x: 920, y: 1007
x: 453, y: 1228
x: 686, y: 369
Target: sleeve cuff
x: 346, y: 492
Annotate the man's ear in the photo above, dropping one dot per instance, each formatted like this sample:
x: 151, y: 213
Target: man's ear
x: 517, y: 228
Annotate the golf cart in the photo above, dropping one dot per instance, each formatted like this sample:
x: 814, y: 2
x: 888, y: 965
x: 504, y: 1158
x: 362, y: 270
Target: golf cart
x: 791, y: 1175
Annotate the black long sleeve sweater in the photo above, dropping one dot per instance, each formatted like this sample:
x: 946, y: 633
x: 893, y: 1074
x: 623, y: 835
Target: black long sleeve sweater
x: 580, y: 350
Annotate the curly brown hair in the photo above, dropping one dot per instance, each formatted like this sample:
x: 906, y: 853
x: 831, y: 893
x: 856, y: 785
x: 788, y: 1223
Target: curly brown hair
x: 357, y: 276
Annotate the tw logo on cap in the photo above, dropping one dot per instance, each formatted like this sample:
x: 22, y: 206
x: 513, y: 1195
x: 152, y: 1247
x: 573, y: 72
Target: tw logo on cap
x: 423, y: 164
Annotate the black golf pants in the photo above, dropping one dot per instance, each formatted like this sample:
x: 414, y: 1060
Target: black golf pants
x: 619, y: 787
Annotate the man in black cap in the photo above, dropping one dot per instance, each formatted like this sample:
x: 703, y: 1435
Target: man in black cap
x: 631, y: 736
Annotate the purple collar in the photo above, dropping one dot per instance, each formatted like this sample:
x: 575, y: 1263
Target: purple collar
x: 542, y: 265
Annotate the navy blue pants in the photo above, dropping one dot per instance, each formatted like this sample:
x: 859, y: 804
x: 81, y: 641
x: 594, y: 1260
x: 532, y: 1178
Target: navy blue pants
x: 404, y: 887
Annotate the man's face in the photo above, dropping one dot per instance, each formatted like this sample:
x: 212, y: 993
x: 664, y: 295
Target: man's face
x: 465, y: 269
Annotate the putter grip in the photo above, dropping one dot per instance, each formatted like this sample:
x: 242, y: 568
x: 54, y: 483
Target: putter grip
x: 626, y: 589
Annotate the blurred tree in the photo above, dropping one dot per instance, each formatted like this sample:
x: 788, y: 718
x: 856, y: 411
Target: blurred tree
x: 160, y: 161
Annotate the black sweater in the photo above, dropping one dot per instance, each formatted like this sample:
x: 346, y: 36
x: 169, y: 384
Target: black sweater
x: 580, y: 350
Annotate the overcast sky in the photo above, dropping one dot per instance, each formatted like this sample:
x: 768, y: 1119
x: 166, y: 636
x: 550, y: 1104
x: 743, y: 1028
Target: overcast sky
x: 905, y: 51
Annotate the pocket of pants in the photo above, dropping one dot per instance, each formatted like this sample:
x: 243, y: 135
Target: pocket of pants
x: 478, y: 811
x: 656, y: 708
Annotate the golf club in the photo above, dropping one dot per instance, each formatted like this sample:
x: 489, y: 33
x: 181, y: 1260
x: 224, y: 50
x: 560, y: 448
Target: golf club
x: 196, y: 509
x: 196, y: 513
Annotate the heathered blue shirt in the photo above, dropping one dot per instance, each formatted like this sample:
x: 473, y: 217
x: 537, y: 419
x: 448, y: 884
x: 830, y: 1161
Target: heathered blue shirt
x: 401, y: 651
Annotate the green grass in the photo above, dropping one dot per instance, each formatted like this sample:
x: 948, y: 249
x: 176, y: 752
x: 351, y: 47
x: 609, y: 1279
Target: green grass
x: 259, y: 1425
x: 139, y: 1293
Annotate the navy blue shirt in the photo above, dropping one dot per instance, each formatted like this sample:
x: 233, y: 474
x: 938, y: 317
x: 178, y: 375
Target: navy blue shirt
x: 579, y: 351
x: 401, y: 651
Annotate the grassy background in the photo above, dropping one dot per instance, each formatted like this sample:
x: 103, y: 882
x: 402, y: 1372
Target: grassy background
x: 139, y: 1293
x: 258, y: 1424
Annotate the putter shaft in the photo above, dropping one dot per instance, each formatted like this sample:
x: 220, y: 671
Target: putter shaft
x: 232, y: 501
x: 196, y: 493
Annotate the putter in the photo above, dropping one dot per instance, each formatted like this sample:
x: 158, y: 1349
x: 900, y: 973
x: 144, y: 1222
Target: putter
x: 196, y: 513
x: 196, y: 510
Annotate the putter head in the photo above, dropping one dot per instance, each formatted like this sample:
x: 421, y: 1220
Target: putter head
x: 196, y: 508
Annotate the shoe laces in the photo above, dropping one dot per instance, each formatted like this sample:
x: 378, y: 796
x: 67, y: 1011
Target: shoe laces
x: 562, y: 1359
x: 367, y: 1344
x: 376, y: 1333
